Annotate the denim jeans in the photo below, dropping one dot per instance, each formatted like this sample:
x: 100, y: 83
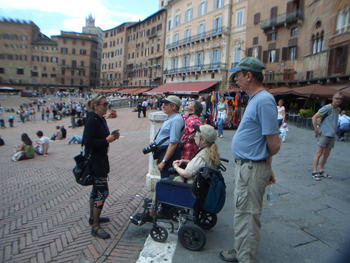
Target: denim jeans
x: 221, y: 119
x: 75, y: 139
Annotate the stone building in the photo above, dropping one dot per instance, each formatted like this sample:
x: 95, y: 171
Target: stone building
x: 203, y: 40
x: 113, y: 59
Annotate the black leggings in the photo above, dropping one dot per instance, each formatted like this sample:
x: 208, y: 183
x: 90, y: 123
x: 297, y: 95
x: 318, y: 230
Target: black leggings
x: 99, y: 192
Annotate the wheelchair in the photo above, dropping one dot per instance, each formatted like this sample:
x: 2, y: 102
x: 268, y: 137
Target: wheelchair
x: 186, y: 201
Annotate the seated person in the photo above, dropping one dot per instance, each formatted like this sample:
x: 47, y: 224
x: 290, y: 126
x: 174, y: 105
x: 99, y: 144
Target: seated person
x: 343, y: 125
x: 75, y: 139
x: 43, y: 145
x: 80, y: 122
x: 57, y: 135
x: 26, y: 147
x: 207, y: 155
x: 64, y: 132
x: 1, y: 142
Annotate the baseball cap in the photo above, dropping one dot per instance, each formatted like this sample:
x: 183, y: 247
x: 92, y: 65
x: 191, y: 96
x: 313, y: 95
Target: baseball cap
x: 172, y: 99
x: 249, y: 64
x: 207, y: 131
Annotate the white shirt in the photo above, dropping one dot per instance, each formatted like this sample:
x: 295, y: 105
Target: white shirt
x: 44, y: 140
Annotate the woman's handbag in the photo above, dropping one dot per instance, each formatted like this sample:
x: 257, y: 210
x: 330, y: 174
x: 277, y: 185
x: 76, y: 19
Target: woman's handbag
x: 81, y: 170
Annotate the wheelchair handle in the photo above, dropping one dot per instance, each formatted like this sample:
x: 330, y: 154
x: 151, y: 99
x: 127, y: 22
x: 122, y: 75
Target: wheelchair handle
x: 224, y: 160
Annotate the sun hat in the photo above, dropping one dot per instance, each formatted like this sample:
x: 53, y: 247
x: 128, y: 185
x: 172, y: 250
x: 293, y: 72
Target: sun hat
x: 207, y: 131
x: 172, y: 99
x: 249, y: 64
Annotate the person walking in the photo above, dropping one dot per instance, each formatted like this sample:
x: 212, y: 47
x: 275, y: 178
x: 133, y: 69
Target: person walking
x: 326, y: 133
x: 281, y: 113
x: 144, y: 107
x: 96, y: 138
x: 222, y: 110
x: 254, y: 144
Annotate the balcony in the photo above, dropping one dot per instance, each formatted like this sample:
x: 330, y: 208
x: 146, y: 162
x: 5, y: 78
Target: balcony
x: 198, y: 37
x: 281, y: 20
x: 199, y: 68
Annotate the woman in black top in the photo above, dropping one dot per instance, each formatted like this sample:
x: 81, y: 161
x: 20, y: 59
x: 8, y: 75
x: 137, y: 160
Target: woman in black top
x: 96, y: 139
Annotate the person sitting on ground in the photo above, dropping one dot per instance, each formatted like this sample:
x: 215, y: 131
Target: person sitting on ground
x: 207, y: 155
x: 343, y: 125
x: 43, y: 144
x: 26, y: 147
x: 112, y: 114
x: 64, y: 132
x: 80, y: 122
x: 75, y: 139
x: 57, y: 135
x: 1, y: 142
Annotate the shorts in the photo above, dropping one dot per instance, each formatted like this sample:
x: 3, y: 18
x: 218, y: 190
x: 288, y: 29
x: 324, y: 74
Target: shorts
x: 324, y: 141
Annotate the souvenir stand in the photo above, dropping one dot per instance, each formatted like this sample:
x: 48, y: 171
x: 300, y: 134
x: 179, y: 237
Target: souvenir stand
x: 236, y: 100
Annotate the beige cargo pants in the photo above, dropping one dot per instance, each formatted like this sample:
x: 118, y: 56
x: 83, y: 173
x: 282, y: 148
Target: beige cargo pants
x: 251, y: 180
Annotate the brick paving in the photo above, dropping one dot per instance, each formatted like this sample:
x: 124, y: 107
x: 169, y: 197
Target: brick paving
x: 44, y: 213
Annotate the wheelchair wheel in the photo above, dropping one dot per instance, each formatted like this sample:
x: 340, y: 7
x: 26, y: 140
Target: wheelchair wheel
x: 192, y: 237
x: 207, y: 220
x: 159, y: 234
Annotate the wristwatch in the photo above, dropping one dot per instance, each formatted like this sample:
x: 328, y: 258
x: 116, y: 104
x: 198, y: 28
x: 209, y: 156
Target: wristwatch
x: 163, y: 161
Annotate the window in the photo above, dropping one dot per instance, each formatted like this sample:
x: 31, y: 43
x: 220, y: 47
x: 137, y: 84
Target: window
x: 271, y: 37
x: 45, y: 48
x: 44, y: 59
x: 44, y: 75
x: 199, y: 60
x: 185, y: 62
x: 82, y: 51
x: 174, y: 63
x: 24, y: 46
x: 36, y: 47
x: 23, y: 38
x: 72, y: 72
x: 202, y: 8
x: 255, y: 40
x: 147, y: 52
x: 63, y: 62
x: 82, y: 63
x: 2, y: 70
x: 272, y: 56
x: 237, y: 56
x: 217, y: 25
x: 74, y: 64
x: 293, y: 31
x: 257, y: 18
x: 201, y: 28
x: 5, y: 36
x: 35, y: 58
x: 255, y: 53
x: 239, y: 18
x: 72, y: 82
x: 215, y: 58
x: 64, y: 50
x: 14, y: 37
x: 177, y: 20
x: 54, y: 59
x: 35, y: 74
x: 14, y: 45
x: 53, y: 75
x: 54, y: 48
x: 187, y: 34
x: 176, y: 38
x: 292, y: 53
x: 317, y: 43
x: 218, y: 4
x: 169, y: 25
x: 158, y: 47
x: 20, y: 71
x: 23, y: 57
x: 53, y: 69
x: 73, y: 50
x: 188, y: 15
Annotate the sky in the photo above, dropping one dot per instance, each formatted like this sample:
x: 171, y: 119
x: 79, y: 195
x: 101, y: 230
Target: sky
x: 52, y: 16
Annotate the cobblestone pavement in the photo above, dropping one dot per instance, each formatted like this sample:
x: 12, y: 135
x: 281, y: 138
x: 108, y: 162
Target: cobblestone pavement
x: 44, y: 213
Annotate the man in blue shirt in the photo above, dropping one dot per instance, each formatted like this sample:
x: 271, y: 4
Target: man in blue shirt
x: 254, y: 144
x: 343, y: 125
x: 171, y: 130
x: 326, y: 133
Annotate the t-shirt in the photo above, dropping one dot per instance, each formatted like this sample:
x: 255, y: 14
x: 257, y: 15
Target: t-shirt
x: 259, y: 120
x: 344, y: 123
x: 280, y: 112
x: 183, y: 101
x: 329, y: 125
x: 222, y: 106
x: 58, y: 134
x: 172, y: 127
x: 204, y: 106
x: 29, y: 149
x: 42, y: 141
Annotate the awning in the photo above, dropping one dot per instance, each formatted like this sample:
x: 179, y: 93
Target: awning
x: 140, y: 90
x: 281, y: 91
x: 185, y: 88
x: 235, y: 89
x: 314, y: 90
x: 12, y: 88
x: 112, y: 90
x: 128, y: 91
x: 345, y: 90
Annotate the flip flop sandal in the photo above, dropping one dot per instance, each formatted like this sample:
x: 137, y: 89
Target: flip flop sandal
x: 323, y: 174
x: 316, y: 176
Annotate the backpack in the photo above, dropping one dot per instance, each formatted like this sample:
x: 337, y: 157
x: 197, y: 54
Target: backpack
x: 216, y: 196
x: 328, y: 113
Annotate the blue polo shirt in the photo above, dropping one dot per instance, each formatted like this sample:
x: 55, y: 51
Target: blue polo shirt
x: 173, y: 127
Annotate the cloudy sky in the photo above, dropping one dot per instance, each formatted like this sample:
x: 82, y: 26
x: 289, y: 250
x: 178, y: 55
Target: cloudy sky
x: 69, y: 15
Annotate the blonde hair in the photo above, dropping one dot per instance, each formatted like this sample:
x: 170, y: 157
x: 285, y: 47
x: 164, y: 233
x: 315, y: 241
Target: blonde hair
x: 212, y: 152
x: 93, y: 101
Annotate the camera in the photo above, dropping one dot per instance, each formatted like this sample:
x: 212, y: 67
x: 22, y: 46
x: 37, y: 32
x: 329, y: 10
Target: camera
x: 151, y: 148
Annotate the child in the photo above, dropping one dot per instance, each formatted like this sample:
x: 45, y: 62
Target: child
x: 283, y: 132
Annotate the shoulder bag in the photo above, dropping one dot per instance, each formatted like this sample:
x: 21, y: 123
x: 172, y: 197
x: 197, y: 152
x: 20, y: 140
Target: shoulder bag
x: 81, y: 170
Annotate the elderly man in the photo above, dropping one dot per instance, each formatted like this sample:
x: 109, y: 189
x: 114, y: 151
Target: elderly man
x: 343, y: 125
x: 169, y: 135
x: 326, y: 133
x: 254, y: 144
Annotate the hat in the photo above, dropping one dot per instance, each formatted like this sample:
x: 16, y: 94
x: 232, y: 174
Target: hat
x: 172, y: 99
x: 249, y: 64
x: 208, y: 132
x: 284, y: 125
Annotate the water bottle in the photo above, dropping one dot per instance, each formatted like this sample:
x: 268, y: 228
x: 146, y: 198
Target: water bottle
x: 270, y: 195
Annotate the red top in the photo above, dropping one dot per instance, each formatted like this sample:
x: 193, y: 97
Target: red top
x: 190, y: 147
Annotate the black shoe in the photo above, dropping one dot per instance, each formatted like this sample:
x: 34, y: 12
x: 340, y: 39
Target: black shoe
x: 102, y: 220
x: 104, y: 235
